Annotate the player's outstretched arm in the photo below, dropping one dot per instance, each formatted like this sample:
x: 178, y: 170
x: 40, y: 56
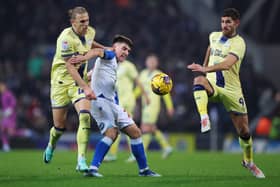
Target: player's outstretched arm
x: 95, y: 44
x: 229, y: 61
x: 98, y: 45
x: 90, y: 54
x: 224, y: 65
x: 96, y: 52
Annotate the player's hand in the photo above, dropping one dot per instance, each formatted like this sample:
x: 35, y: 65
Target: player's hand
x: 89, y: 93
x: 77, y: 59
x: 196, y: 68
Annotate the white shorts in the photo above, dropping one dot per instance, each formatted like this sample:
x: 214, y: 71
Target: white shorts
x: 108, y: 114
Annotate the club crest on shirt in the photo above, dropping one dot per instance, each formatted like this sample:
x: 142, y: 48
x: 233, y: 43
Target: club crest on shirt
x: 64, y: 45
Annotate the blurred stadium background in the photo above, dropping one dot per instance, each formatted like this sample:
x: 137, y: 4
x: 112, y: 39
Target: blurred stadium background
x: 176, y: 30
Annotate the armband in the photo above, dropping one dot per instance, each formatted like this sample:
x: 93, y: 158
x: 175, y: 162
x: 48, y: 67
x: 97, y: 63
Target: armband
x: 108, y: 55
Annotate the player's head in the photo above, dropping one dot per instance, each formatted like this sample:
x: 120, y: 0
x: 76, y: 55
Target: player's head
x: 230, y: 21
x: 122, y: 46
x: 79, y: 19
x: 152, y: 62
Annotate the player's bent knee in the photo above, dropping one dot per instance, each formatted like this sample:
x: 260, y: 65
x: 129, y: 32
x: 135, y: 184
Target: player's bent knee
x: 112, y: 133
x: 200, y: 80
x: 59, y: 122
x: 245, y: 135
x: 244, y: 132
x: 135, y: 133
x: 59, y: 125
x: 115, y: 136
x: 198, y: 74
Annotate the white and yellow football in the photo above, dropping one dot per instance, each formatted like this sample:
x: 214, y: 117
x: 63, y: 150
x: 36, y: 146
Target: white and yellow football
x: 161, y: 84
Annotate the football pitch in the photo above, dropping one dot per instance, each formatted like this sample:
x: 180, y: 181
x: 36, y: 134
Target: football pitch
x: 25, y: 168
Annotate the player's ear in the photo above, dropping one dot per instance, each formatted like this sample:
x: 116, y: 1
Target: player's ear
x: 237, y: 22
x: 72, y: 20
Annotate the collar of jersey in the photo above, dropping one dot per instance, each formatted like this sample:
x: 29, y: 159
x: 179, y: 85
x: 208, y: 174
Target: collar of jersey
x: 82, y: 38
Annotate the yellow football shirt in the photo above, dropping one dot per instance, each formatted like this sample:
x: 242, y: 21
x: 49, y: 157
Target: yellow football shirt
x: 220, y: 47
x: 126, y: 75
x: 68, y: 44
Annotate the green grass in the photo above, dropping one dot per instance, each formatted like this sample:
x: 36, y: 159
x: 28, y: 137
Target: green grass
x: 25, y: 168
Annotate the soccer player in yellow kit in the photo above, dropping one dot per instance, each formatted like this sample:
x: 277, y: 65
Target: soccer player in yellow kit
x: 221, y: 83
x: 127, y: 77
x: 69, y: 83
x: 150, y: 112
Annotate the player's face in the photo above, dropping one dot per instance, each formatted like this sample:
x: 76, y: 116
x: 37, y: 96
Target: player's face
x: 229, y: 26
x: 152, y: 62
x: 80, y: 23
x: 122, y: 50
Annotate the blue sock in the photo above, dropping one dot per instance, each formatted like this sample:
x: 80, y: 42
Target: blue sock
x: 102, y: 148
x: 137, y: 149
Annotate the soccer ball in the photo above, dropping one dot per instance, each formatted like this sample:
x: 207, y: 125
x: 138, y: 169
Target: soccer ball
x: 161, y: 84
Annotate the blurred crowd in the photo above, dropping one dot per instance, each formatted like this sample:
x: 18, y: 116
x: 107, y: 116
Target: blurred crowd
x: 28, y: 44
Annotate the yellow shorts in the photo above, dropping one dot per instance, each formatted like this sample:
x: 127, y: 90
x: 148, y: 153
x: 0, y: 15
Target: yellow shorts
x: 63, y: 95
x: 232, y: 100
x: 150, y: 114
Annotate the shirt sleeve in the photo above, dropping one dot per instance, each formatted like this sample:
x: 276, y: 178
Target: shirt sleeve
x: 133, y: 73
x: 66, y: 47
x: 238, y: 49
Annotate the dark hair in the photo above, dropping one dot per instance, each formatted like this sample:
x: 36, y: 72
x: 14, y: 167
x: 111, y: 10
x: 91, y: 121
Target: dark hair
x: 123, y: 39
x: 231, y: 12
x: 77, y: 10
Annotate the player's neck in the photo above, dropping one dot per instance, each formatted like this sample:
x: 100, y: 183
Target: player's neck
x: 231, y: 35
x: 75, y: 31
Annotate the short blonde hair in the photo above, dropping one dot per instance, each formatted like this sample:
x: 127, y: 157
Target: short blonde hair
x: 77, y: 10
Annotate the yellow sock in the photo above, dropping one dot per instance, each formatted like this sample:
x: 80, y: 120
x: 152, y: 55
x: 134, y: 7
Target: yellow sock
x: 201, y: 100
x: 55, y: 134
x: 83, y: 133
x: 146, y: 140
x: 115, y: 146
x: 161, y: 139
x: 247, y: 146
